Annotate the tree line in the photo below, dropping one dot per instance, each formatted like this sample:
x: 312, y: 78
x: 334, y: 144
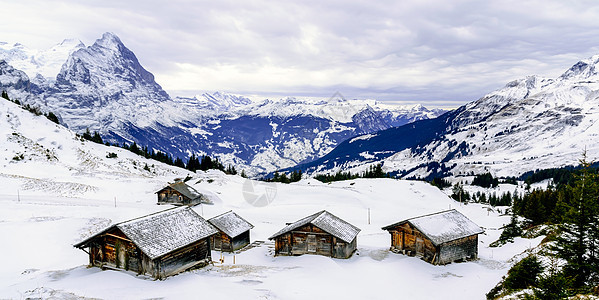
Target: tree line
x: 32, y: 109
x: 374, y: 171
x: 193, y: 163
x: 572, y: 207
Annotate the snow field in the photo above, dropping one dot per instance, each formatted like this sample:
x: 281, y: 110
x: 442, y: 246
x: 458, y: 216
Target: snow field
x: 40, y: 230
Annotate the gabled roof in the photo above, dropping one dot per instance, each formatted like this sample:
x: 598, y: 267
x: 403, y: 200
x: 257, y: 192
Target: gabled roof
x: 442, y: 227
x: 231, y: 224
x: 327, y: 222
x: 184, y: 189
x: 163, y: 232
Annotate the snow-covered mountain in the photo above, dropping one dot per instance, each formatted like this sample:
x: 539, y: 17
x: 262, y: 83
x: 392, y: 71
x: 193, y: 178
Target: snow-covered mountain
x: 104, y: 87
x: 529, y: 124
x: 41, y: 65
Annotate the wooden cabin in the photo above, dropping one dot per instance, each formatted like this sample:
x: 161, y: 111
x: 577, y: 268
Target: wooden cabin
x: 158, y: 245
x: 179, y: 193
x: 234, y: 232
x: 321, y: 233
x: 438, y: 238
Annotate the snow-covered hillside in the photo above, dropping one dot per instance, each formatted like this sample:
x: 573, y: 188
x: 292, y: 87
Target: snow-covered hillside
x: 57, y: 190
x: 38, y: 156
x: 531, y: 123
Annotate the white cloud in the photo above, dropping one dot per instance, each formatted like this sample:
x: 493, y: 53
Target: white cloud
x: 429, y: 51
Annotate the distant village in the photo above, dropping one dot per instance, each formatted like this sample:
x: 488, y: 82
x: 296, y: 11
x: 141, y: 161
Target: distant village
x: 178, y: 239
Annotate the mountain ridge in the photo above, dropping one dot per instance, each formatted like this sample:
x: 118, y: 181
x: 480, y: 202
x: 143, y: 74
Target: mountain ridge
x: 529, y: 122
x: 104, y: 88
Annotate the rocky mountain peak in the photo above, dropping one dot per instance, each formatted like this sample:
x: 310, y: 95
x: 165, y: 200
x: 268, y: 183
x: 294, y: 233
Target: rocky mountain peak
x: 584, y: 69
x: 109, y: 40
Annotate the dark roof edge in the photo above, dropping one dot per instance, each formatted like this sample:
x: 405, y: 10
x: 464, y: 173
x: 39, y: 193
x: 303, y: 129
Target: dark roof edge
x: 406, y: 220
x: 293, y: 225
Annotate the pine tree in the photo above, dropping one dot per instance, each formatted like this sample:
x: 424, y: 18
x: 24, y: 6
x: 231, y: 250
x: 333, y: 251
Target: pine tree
x: 179, y: 163
x: 575, y: 244
x: 52, y: 117
x: 193, y: 164
x: 97, y: 138
x: 87, y: 135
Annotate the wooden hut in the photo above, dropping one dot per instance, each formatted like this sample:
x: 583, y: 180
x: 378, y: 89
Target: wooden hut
x: 234, y: 232
x: 321, y: 233
x: 158, y: 245
x: 438, y: 238
x: 179, y: 193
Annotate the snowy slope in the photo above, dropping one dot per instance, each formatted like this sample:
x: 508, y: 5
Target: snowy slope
x: 56, y: 190
x: 529, y: 124
x: 46, y: 63
x: 38, y: 156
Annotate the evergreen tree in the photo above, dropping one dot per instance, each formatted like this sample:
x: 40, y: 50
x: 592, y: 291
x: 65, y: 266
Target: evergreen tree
x: 96, y: 138
x: 179, y: 163
x: 52, y: 117
x: 483, y: 198
x: 575, y: 244
x: 5, y: 95
x: 87, y: 135
x: 485, y: 180
x: 193, y: 164
x: 459, y: 194
x: 283, y: 178
x: 523, y: 274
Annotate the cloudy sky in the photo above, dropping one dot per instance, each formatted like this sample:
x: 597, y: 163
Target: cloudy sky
x: 435, y: 52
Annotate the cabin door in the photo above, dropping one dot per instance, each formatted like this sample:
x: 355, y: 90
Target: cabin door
x: 419, y: 246
x: 218, y: 242
x: 121, y: 255
x: 398, y: 240
x: 311, y: 241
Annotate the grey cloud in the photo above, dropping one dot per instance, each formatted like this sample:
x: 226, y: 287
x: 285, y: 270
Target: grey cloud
x: 433, y: 51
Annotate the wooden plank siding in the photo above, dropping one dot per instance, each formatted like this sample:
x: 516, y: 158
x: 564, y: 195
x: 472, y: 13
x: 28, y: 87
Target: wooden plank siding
x: 461, y: 249
x: 112, y: 250
x: 169, y: 195
x: 310, y: 239
x: 223, y: 242
x: 194, y: 255
x: 410, y: 241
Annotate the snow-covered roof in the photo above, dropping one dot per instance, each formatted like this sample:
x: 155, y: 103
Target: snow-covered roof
x: 231, y: 224
x: 184, y: 189
x: 327, y: 222
x: 163, y: 232
x: 442, y: 227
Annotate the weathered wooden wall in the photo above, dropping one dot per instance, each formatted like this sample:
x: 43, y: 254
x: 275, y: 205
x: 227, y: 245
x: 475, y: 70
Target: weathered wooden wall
x: 114, y: 250
x: 408, y: 239
x: 169, y: 195
x: 240, y: 241
x: 462, y: 249
x: 310, y: 239
x: 196, y: 254
x: 220, y: 242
